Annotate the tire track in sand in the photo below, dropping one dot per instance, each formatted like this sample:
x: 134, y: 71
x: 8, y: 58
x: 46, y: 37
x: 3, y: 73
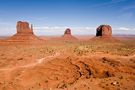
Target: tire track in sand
x: 38, y: 61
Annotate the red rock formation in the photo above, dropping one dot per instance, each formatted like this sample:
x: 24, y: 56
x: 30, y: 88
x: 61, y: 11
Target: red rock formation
x: 23, y: 28
x: 67, y: 35
x: 104, y: 31
x: 67, y: 31
x: 24, y: 33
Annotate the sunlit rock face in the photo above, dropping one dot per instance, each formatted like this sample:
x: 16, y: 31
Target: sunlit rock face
x: 24, y: 33
x: 104, y: 31
x: 23, y: 28
x: 68, y: 36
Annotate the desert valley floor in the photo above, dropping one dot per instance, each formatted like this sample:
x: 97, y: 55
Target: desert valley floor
x: 84, y: 64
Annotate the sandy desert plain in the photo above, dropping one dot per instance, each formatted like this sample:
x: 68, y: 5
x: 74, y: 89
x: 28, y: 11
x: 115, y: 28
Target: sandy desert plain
x: 54, y: 63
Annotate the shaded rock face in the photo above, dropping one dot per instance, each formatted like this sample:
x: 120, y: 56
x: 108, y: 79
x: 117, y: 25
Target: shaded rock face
x: 23, y: 28
x: 104, y: 31
x: 67, y: 31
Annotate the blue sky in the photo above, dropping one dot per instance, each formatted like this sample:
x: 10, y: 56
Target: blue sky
x: 51, y: 17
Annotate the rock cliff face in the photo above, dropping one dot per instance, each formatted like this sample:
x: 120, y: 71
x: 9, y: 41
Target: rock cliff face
x: 67, y: 32
x: 23, y: 28
x: 104, y: 31
x: 67, y: 35
x: 24, y: 33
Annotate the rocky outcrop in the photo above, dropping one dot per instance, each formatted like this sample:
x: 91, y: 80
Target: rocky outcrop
x: 24, y: 33
x: 67, y: 32
x: 68, y: 36
x: 104, y: 31
x: 23, y: 28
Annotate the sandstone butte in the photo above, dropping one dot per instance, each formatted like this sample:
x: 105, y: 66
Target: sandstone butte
x: 68, y: 36
x: 24, y: 33
x: 104, y: 31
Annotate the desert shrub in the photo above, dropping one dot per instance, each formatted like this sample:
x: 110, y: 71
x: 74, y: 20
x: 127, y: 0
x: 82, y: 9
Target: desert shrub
x: 82, y: 49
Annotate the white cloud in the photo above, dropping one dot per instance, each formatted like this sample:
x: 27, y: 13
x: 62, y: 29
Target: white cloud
x: 57, y: 27
x: 60, y: 30
x: 48, y: 28
x: 134, y: 29
x: 40, y: 28
x: 90, y: 28
x: 57, y: 30
x: 124, y: 28
x: 10, y: 29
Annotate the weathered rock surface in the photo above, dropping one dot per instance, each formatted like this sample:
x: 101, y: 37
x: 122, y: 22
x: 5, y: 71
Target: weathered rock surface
x: 24, y: 33
x: 104, y: 31
x: 67, y: 32
x: 23, y: 28
x: 68, y: 36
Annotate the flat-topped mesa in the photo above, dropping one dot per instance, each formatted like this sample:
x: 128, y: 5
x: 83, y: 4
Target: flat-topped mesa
x: 104, y: 31
x: 67, y: 31
x: 23, y: 28
x: 24, y: 34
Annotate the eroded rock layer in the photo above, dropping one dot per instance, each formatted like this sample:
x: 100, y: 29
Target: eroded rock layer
x: 24, y: 33
x: 68, y: 36
x: 104, y: 31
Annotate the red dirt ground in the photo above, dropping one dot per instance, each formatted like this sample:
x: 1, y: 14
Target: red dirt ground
x: 84, y: 64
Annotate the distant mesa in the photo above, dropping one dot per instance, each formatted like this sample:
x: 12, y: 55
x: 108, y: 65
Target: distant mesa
x: 68, y: 36
x: 67, y: 31
x: 24, y: 33
x: 23, y: 28
x: 104, y: 31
